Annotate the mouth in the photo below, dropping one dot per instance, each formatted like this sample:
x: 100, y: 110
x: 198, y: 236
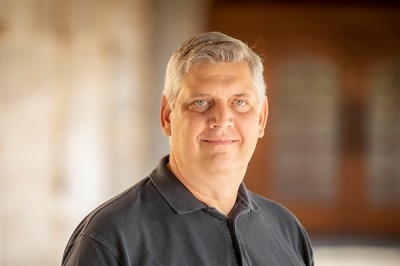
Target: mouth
x: 219, y: 141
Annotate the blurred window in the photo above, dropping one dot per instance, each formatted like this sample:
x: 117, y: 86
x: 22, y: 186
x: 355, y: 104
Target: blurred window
x: 383, y: 129
x: 307, y: 125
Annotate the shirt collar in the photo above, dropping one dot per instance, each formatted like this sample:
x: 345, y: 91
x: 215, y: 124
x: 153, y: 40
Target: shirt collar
x: 246, y: 197
x: 178, y: 196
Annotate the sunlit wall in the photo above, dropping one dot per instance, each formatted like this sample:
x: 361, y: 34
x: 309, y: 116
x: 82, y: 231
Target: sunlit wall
x: 80, y: 87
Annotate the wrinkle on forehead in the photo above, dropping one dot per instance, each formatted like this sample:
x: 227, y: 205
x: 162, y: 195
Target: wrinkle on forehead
x: 221, y: 73
x: 206, y: 66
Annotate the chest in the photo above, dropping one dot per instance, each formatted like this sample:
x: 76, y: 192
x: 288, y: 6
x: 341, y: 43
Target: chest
x: 203, y: 239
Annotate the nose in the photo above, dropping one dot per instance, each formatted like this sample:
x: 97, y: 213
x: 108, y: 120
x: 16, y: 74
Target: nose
x: 221, y: 116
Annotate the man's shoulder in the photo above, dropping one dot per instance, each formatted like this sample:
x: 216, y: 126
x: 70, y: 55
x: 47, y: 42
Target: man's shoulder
x: 276, y: 218
x: 112, y: 222
x: 280, y: 219
x: 115, y: 213
x: 272, y: 209
x: 264, y: 202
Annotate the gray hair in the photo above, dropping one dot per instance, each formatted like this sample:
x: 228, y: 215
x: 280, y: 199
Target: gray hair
x: 214, y: 47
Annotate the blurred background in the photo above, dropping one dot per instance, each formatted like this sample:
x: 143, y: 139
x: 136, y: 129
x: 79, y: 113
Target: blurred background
x: 80, y: 87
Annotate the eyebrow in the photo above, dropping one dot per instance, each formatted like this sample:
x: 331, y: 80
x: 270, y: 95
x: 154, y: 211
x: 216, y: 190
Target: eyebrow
x: 242, y: 95
x: 199, y: 94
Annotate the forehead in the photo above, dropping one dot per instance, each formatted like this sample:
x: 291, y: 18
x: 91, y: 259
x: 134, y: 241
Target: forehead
x: 210, y: 75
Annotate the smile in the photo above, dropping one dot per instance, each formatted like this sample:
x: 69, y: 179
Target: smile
x: 219, y: 141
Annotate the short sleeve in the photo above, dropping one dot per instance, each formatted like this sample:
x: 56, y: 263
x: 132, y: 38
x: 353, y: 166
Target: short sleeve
x: 89, y: 250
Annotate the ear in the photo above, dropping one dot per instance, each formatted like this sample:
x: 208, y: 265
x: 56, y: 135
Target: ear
x: 263, y: 117
x: 165, y: 116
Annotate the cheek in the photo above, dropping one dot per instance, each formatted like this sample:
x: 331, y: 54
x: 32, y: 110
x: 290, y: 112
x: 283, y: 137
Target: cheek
x: 184, y: 125
x: 249, y: 128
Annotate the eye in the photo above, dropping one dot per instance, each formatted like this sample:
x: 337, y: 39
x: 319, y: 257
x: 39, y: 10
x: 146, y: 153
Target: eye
x: 199, y: 106
x: 240, y: 102
x: 241, y: 105
x: 200, y: 102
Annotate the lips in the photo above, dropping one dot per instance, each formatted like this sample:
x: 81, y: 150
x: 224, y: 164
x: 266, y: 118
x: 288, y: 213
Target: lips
x: 219, y: 141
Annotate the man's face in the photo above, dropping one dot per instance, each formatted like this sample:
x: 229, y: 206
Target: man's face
x: 217, y: 119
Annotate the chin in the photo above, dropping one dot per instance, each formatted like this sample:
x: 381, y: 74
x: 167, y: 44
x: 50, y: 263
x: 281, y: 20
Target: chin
x: 224, y: 162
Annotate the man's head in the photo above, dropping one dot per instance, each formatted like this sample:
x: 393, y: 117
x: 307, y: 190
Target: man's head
x: 213, y: 47
x: 214, y: 106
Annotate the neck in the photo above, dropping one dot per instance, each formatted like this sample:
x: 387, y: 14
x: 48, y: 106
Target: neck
x: 214, y: 190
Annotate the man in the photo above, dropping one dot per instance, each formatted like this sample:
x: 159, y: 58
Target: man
x: 194, y: 209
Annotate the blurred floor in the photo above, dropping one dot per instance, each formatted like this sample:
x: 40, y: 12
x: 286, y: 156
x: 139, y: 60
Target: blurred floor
x: 356, y: 255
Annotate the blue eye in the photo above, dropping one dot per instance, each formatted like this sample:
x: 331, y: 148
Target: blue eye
x: 199, y: 106
x: 240, y: 102
x: 200, y: 102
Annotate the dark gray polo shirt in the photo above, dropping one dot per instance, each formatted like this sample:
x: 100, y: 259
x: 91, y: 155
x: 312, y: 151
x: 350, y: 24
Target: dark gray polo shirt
x: 159, y: 222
